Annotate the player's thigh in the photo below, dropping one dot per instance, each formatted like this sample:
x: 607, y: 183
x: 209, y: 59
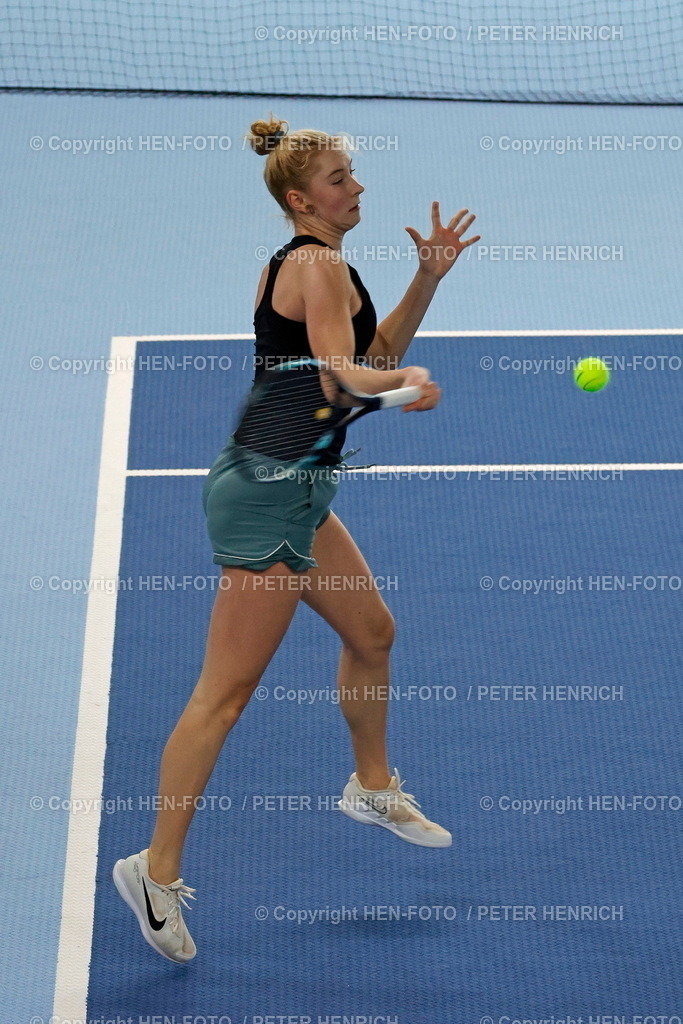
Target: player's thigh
x: 342, y: 590
x: 250, y: 616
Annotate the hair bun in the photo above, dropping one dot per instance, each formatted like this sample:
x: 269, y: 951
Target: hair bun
x: 264, y: 136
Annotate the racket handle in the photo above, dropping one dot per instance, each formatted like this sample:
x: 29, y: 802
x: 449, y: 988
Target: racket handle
x: 400, y: 396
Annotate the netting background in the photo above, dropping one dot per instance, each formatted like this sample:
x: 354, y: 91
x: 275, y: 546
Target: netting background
x: 539, y: 51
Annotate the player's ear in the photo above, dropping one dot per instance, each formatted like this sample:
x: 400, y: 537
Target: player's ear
x: 296, y: 201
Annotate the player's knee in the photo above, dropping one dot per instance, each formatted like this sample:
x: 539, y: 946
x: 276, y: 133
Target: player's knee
x: 225, y: 703
x: 375, y: 640
x: 385, y: 631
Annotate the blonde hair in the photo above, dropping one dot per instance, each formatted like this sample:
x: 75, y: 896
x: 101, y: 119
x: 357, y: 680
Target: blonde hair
x: 289, y: 155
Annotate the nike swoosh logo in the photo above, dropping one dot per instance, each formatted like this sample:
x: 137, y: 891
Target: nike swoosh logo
x: 370, y: 804
x: 156, y: 925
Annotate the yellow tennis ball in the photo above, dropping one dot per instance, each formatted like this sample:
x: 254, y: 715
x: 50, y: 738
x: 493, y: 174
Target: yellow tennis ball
x: 591, y: 374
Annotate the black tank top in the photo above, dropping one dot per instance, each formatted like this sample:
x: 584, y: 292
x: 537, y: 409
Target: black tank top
x: 279, y: 338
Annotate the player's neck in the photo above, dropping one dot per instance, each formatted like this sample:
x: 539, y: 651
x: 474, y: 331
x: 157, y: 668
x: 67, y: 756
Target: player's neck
x: 334, y: 238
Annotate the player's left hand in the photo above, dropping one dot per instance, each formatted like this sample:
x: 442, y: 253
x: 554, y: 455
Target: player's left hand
x: 438, y: 253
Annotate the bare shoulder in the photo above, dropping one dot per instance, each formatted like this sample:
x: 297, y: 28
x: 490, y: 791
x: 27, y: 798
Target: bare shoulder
x: 261, y: 287
x: 321, y: 267
x: 309, y: 272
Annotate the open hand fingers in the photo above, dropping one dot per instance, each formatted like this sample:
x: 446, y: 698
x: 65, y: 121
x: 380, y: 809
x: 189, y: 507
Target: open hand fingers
x: 436, y: 216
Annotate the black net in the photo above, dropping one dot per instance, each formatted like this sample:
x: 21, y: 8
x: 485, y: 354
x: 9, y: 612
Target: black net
x: 578, y: 51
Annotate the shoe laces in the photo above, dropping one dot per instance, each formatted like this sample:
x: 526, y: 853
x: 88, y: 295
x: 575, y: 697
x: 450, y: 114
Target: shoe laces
x: 408, y: 797
x: 176, y: 893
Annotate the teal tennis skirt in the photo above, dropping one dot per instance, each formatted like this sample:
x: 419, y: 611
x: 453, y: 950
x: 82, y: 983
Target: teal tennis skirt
x: 260, y: 510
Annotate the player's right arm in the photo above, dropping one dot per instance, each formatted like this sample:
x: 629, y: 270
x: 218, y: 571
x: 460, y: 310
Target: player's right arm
x: 325, y: 287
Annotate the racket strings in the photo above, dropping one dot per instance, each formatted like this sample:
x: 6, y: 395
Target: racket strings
x: 289, y: 414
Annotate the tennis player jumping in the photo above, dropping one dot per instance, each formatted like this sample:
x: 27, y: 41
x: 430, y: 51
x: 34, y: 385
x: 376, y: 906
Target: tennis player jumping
x: 309, y: 303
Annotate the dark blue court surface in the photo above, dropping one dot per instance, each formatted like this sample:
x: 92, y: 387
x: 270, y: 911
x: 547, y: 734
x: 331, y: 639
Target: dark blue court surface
x: 536, y: 714
x: 506, y: 400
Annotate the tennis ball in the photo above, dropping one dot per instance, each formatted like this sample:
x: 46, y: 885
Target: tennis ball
x: 591, y: 374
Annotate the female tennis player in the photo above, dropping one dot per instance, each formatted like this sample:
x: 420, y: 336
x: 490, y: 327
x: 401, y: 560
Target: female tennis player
x: 310, y: 303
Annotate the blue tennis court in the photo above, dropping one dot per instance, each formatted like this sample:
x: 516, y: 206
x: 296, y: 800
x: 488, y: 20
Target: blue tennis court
x: 525, y: 535
x: 534, y: 694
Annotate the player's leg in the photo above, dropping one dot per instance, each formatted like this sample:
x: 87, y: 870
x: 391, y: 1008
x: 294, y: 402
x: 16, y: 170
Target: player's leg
x: 355, y: 609
x: 247, y: 623
x: 358, y: 614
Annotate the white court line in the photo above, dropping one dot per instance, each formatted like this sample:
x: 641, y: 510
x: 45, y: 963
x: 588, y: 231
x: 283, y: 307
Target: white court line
x: 78, y: 900
x: 549, y: 333
x: 526, y: 467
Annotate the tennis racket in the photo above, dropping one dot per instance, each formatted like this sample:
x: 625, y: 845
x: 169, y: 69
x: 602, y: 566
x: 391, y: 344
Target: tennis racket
x: 296, y: 411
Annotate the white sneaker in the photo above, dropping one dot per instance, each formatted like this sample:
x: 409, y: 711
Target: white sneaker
x: 393, y: 809
x: 157, y: 907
